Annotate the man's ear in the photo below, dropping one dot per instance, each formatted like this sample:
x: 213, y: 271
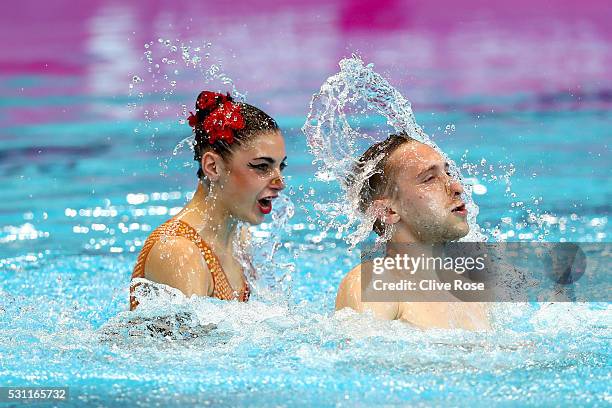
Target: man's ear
x: 212, y: 165
x: 383, y: 211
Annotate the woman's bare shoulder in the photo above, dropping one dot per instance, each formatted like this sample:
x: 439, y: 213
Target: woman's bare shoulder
x: 178, y: 262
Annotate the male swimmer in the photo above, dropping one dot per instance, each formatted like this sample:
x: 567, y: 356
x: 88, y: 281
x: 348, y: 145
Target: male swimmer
x: 415, y: 201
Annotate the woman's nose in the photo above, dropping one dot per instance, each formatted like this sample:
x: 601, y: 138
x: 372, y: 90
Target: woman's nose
x: 278, y: 183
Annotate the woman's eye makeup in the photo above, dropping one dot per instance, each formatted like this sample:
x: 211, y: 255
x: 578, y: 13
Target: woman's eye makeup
x: 259, y: 166
x: 265, y: 166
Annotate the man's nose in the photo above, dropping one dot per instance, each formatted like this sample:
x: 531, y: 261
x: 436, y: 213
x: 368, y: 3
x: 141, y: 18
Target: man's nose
x: 454, y: 186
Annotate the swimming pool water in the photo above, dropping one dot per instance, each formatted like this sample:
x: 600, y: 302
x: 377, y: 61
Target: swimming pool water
x: 81, y: 191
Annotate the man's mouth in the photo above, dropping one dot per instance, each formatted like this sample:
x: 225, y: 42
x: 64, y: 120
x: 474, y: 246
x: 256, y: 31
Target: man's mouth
x: 460, y: 210
x: 265, y: 204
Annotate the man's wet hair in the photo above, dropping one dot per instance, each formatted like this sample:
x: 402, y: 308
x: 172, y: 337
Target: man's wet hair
x: 380, y: 182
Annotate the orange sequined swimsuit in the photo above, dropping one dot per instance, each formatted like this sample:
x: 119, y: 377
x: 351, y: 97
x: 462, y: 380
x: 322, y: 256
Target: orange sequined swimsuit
x: 177, y: 228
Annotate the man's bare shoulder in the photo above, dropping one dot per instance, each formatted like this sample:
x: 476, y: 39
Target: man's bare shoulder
x: 354, y: 275
x: 349, y: 295
x: 349, y: 291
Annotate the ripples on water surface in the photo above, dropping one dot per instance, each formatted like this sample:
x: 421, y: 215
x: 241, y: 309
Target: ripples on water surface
x: 81, y: 191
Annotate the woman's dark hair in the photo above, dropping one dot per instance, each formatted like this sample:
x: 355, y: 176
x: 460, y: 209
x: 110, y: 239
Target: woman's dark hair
x: 255, y: 121
x: 381, y: 177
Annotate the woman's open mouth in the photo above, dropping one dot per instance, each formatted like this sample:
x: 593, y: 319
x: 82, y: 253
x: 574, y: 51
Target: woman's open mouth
x: 460, y: 210
x: 265, y: 204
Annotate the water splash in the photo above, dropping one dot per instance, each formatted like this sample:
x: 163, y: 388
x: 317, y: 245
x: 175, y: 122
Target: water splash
x: 269, y: 347
x: 335, y: 142
x: 271, y: 274
x: 173, y: 71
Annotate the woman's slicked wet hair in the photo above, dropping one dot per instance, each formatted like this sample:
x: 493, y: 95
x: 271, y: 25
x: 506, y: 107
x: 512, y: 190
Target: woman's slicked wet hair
x: 255, y: 121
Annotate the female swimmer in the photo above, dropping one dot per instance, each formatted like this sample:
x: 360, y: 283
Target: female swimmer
x: 241, y: 155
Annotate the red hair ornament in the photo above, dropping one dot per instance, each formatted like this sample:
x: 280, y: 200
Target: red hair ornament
x: 222, y: 121
x: 209, y: 100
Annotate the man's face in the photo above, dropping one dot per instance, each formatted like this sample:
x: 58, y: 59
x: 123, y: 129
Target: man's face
x: 426, y: 198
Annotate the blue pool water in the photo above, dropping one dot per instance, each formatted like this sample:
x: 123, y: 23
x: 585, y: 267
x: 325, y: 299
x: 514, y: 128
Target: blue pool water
x: 74, y: 215
x: 81, y: 190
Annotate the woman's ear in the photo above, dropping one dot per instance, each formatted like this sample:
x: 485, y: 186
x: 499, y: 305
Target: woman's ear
x: 212, y: 165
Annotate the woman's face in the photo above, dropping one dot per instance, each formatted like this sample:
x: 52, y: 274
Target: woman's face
x: 253, y: 177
